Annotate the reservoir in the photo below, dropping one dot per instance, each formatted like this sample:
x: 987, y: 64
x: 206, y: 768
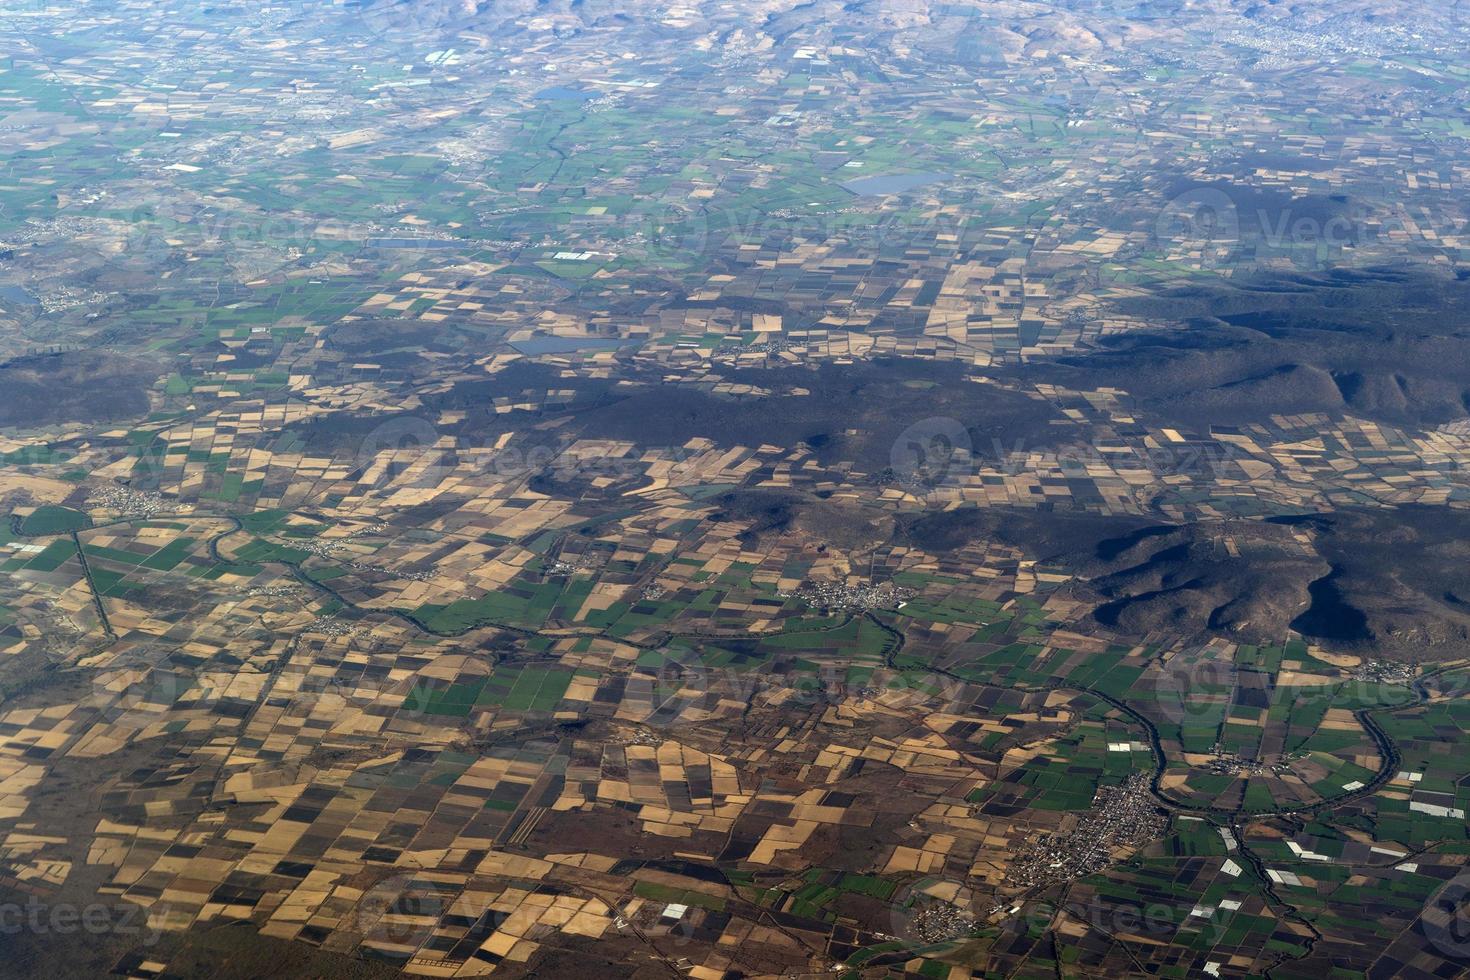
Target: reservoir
x: 891, y: 183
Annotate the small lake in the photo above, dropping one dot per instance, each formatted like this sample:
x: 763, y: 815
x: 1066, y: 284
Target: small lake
x: 570, y: 345
x: 560, y: 93
x: 412, y: 243
x: 892, y: 183
x: 15, y: 296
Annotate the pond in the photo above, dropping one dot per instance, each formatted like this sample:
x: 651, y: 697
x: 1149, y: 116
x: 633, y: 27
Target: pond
x: 892, y: 183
